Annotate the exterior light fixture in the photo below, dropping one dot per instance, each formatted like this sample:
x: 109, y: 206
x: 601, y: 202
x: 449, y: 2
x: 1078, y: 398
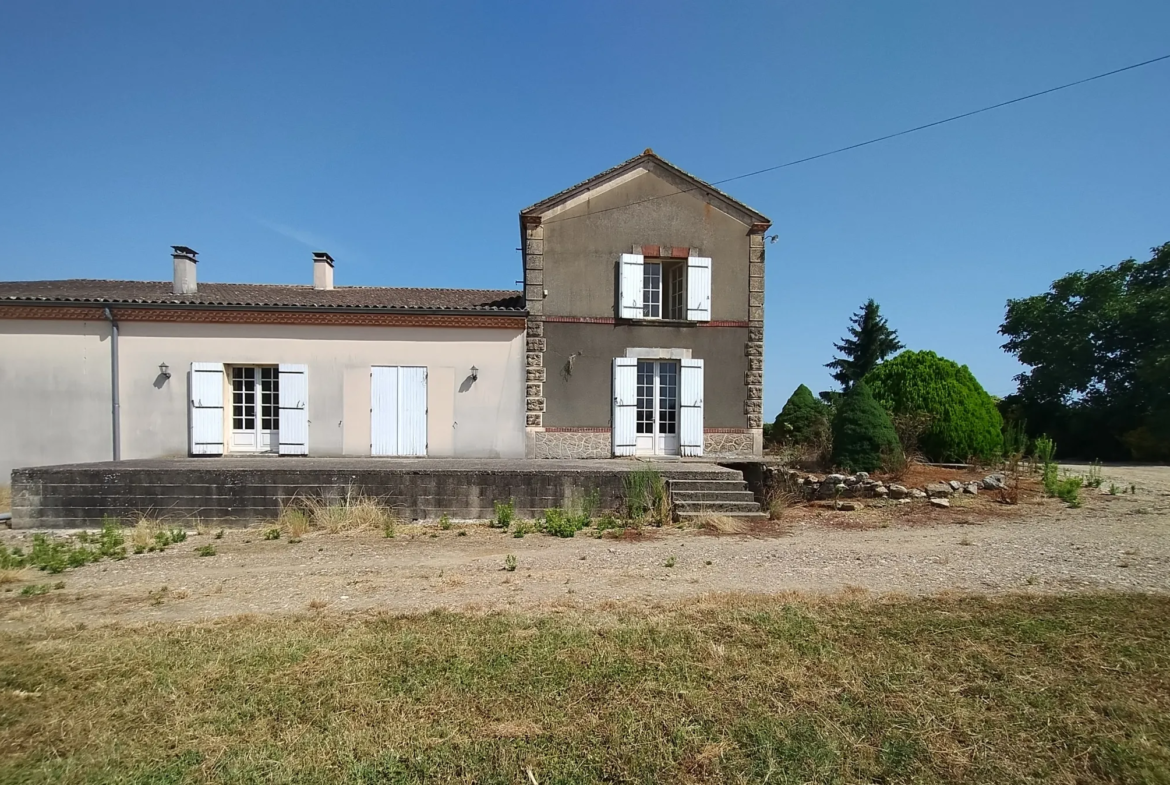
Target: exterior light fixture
x: 164, y: 370
x: 474, y: 373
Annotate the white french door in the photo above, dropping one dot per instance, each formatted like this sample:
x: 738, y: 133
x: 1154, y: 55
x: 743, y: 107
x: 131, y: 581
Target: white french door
x: 255, y: 409
x: 657, y: 408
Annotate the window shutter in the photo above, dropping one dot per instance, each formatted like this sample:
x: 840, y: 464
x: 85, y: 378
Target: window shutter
x: 412, y: 411
x: 384, y: 410
x: 630, y: 286
x: 625, y: 404
x: 207, y: 408
x: 690, y: 399
x: 699, y: 289
x: 294, y: 409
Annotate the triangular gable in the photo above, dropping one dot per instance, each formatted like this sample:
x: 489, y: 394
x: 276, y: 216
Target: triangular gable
x: 647, y: 162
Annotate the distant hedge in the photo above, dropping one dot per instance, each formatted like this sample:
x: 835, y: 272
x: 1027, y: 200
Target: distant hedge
x: 862, y: 432
x: 966, y: 421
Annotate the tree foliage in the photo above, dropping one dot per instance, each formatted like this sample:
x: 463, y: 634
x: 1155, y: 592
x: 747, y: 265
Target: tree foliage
x: 803, y: 419
x: 1098, y: 349
x: 869, y: 342
x: 863, y: 436
x: 964, y: 420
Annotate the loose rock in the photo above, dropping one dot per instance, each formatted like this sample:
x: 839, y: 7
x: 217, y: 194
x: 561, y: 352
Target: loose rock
x: 939, y: 490
x: 993, y: 482
x: 971, y: 488
x: 940, y: 502
x: 898, y: 491
x: 956, y: 486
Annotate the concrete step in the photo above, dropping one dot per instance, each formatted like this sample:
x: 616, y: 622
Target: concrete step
x: 704, y: 505
x: 707, y: 485
x: 729, y: 495
x: 739, y: 516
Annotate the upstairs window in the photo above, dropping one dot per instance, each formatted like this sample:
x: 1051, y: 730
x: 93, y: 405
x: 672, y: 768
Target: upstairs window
x: 665, y: 289
x: 664, y: 292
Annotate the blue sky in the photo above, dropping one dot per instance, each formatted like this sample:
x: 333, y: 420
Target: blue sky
x: 404, y: 138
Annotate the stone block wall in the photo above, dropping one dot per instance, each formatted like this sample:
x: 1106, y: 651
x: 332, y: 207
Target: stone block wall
x: 186, y: 491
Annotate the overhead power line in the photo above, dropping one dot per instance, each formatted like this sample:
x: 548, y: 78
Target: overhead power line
x: 894, y: 135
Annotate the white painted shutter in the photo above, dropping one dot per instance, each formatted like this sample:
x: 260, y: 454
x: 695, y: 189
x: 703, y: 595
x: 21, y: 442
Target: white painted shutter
x: 630, y: 286
x: 207, y: 408
x: 690, y: 401
x: 412, y: 411
x: 699, y: 289
x: 384, y: 410
x: 625, y: 405
x: 294, y: 409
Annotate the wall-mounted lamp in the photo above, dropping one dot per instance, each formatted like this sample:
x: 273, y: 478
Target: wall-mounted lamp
x: 164, y: 370
x: 474, y: 373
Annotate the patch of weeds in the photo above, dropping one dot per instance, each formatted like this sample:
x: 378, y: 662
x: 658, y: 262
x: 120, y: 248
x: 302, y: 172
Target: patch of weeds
x: 205, y: 550
x: 54, y: 555
x: 521, y: 528
x: 510, y: 563
x: 157, y: 597
x: 272, y: 534
x: 219, y: 534
x: 646, y: 496
x: 1068, y: 491
x: 505, y: 514
x: 1094, y: 479
x: 1113, y: 489
x: 294, y: 540
x: 445, y: 522
x: 670, y: 562
x: 708, y: 562
x: 965, y: 541
x: 608, y: 522
x: 461, y: 533
x: 388, y: 529
x: 35, y: 590
x: 559, y: 523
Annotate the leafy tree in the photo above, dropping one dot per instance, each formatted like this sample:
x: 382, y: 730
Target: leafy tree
x: 870, y: 341
x: 1098, y: 349
x: 863, y: 436
x: 802, y: 420
x: 964, y: 420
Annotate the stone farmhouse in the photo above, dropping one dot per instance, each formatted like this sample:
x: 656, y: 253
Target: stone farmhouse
x: 639, y: 332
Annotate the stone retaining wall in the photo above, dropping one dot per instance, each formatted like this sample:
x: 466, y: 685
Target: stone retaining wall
x: 189, y: 490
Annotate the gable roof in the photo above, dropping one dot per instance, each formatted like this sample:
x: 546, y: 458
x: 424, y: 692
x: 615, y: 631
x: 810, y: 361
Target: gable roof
x: 246, y: 295
x: 647, y: 160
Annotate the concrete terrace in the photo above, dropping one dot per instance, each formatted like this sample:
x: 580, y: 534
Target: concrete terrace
x: 248, y: 489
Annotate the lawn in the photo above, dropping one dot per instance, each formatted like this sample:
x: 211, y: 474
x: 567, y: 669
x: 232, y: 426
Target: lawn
x: 738, y: 689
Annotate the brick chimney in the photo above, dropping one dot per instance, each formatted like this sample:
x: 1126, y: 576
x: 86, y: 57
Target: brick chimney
x: 322, y: 270
x: 184, y: 282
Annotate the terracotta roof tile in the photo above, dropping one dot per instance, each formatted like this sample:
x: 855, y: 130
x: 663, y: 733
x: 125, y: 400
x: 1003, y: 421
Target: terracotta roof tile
x: 262, y: 295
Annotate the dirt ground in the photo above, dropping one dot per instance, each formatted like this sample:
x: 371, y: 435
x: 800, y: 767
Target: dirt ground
x: 1114, y: 542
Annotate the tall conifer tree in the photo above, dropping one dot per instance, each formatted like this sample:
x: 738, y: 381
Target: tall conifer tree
x: 870, y: 341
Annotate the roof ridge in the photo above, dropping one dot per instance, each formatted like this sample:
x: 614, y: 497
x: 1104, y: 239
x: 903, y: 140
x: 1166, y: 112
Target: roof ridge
x: 646, y: 155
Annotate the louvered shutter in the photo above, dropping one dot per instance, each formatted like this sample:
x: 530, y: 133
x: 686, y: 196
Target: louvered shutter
x: 625, y: 405
x: 630, y: 286
x: 699, y: 289
x: 294, y: 409
x: 690, y: 399
x: 412, y: 411
x: 384, y: 410
x: 207, y: 409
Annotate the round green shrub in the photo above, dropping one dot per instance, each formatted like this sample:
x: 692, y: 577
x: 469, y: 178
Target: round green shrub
x: 802, y: 419
x: 966, y: 422
x: 863, y: 436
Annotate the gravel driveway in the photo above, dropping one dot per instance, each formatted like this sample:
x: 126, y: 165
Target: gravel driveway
x: 1117, y: 542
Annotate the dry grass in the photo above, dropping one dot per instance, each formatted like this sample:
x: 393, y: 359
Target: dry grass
x: 143, y: 532
x: 732, y: 689
x: 350, y: 513
x: 5, y: 498
x: 15, y: 576
x: 720, y: 524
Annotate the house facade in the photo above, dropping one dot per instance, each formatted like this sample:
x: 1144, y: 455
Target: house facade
x: 100, y: 370
x: 639, y: 332
x: 645, y: 296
